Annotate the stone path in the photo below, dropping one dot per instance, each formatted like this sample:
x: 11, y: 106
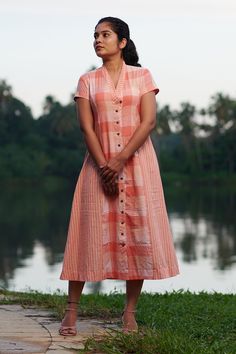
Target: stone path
x: 36, y: 331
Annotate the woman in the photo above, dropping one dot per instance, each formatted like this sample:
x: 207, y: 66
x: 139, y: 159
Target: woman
x: 119, y: 226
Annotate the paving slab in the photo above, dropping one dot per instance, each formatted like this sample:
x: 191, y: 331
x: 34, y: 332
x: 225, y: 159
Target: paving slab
x: 35, y: 330
x: 21, y: 334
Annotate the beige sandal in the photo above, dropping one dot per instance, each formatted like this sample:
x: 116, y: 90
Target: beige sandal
x: 125, y: 328
x: 69, y: 330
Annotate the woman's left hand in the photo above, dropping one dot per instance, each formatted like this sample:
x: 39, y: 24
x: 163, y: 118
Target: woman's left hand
x: 109, y: 173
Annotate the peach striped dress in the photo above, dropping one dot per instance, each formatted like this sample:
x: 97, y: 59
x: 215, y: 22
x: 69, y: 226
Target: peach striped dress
x: 127, y: 237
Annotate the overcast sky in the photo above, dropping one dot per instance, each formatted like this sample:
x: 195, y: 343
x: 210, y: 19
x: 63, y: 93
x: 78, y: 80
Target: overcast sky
x: 188, y: 45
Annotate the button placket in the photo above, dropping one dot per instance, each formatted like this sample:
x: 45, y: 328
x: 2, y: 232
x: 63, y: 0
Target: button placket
x: 119, y: 146
x: 117, y: 126
x: 122, y: 226
x: 118, y: 133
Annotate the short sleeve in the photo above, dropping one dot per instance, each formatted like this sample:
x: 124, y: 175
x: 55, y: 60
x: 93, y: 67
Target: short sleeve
x: 82, y: 88
x: 147, y: 83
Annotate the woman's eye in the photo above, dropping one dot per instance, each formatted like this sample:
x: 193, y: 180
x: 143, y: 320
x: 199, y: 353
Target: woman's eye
x: 96, y: 35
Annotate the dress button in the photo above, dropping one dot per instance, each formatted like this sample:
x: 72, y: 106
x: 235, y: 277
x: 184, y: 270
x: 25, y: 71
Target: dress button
x: 117, y: 110
x: 122, y: 190
x: 117, y: 122
x: 121, y: 201
x: 120, y: 101
x: 122, y: 211
x: 118, y: 145
x: 121, y: 177
x: 122, y: 233
x: 118, y: 133
x: 122, y: 222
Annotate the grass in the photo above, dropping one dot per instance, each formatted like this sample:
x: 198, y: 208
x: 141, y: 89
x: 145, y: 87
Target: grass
x: 179, y: 322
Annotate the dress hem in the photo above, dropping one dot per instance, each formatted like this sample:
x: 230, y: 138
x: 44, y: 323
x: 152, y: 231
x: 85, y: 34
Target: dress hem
x: 92, y: 277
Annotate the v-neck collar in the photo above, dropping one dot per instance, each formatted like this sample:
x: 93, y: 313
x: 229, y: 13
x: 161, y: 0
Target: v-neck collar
x: 120, y: 81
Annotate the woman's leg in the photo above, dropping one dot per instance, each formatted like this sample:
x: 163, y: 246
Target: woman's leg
x: 133, y: 290
x: 75, y: 289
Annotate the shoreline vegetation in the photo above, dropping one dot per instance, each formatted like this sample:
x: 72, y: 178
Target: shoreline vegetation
x: 221, y: 179
x: 179, y: 322
x: 193, y: 145
x: 170, y: 178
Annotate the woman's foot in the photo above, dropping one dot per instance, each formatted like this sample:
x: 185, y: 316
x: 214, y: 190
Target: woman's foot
x: 68, y: 324
x: 129, y: 322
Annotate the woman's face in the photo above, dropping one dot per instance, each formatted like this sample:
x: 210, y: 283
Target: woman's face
x: 106, y: 43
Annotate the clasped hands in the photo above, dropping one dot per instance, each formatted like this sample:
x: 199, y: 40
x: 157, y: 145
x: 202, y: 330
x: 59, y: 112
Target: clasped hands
x: 109, y: 175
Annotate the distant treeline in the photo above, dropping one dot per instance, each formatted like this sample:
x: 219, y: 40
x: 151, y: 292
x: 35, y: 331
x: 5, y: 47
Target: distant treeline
x: 188, y: 141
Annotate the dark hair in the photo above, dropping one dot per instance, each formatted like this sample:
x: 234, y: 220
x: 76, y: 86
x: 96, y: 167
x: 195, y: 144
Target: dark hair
x: 121, y: 28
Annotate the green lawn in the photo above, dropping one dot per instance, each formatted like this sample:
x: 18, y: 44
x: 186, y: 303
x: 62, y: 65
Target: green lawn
x: 170, y: 323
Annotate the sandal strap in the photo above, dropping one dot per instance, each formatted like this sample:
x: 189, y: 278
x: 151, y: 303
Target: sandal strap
x: 70, y: 309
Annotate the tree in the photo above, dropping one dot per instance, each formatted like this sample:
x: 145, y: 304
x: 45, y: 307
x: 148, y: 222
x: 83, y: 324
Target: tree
x: 16, y: 119
x: 164, y: 119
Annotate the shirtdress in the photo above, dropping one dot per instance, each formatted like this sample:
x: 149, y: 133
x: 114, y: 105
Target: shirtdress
x: 126, y: 237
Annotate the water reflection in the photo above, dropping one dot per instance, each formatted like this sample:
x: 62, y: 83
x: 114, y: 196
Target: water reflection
x: 208, y: 224
x: 33, y: 225
x: 30, y: 212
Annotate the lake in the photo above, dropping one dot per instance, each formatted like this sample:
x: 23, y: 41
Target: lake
x: 33, y: 226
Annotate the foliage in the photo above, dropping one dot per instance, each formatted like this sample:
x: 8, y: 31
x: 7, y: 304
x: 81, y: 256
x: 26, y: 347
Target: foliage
x: 188, y: 141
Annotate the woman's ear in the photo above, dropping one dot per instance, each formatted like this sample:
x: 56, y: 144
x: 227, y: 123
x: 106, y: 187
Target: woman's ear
x: 123, y: 43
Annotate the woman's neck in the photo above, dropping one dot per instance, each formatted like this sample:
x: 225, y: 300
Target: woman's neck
x: 113, y: 65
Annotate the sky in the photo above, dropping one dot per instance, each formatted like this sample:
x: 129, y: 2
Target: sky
x: 188, y: 45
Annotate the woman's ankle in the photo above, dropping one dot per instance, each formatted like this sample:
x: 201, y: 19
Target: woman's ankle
x: 70, y: 317
x: 130, y: 308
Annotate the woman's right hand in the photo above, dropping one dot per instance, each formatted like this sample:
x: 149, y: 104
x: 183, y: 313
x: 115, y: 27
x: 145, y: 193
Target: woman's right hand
x: 110, y: 188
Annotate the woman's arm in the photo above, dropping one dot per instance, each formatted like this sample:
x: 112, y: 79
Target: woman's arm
x: 148, y: 122
x: 85, y: 117
x: 86, y: 123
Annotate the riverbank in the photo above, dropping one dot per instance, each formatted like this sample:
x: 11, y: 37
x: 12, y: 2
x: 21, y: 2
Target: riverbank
x: 177, y: 322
